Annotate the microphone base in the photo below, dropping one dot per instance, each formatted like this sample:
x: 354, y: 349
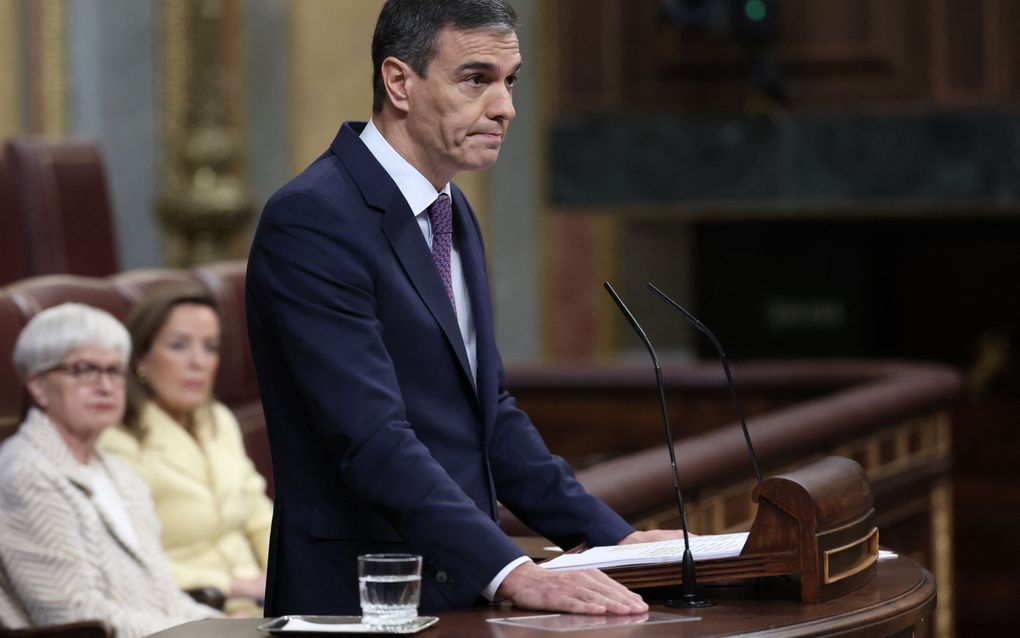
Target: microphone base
x: 690, y: 601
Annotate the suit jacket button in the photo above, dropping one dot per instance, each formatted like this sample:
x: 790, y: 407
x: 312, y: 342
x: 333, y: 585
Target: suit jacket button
x: 441, y: 577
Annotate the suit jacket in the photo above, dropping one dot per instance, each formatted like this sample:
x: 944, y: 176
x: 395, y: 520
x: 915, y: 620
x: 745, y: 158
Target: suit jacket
x: 381, y: 438
x: 210, y: 499
x: 62, y: 560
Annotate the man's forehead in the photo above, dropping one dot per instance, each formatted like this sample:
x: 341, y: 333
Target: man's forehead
x: 460, y: 45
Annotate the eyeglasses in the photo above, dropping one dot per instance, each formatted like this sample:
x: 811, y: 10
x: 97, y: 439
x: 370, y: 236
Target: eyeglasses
x: 88, y: 373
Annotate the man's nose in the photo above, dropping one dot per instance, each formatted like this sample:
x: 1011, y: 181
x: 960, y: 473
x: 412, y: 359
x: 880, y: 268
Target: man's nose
x: 502, y: 107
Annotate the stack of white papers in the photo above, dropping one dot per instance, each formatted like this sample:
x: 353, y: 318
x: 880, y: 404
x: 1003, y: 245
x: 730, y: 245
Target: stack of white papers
x: 702, y: 548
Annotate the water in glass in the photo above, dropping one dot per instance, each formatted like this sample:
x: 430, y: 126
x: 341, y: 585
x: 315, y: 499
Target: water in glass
x: 390, y: 587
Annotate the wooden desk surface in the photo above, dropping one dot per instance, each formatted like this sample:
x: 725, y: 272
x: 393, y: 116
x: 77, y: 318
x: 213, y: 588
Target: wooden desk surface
x: 901, y: 598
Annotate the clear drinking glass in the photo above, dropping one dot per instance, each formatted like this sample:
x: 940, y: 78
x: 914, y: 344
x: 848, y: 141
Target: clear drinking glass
x: 390, y: 586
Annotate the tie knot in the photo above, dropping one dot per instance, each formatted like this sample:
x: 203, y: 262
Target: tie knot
x: 441, y: 215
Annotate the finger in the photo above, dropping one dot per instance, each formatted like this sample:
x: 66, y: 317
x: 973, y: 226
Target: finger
x: 618, y: 599
x: 585, y: 593
x: 626, y: 609
x: 615, y: 597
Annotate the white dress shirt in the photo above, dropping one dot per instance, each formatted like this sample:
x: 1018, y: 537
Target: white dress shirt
x: 420, y: 193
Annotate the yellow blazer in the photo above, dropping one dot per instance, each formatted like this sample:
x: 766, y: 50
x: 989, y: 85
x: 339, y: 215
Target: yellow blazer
x: 62, y: 558
x: 210, y: 498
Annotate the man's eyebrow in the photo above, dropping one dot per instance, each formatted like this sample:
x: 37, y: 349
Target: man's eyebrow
x: 483, y: 66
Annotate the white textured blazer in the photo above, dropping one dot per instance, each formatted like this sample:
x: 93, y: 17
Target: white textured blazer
x: 61, y: 558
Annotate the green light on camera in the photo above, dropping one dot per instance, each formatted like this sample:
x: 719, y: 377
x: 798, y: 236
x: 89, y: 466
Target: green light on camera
x: 755, y: 10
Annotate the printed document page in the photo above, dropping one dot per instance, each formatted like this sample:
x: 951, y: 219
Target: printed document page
x: 702, y: 548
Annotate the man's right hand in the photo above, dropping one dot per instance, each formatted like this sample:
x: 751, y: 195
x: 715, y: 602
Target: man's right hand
x: 583, y: 591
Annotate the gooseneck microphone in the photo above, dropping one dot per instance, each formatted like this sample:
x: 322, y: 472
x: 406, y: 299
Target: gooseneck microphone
x: 726, y: 368
x: 688, y: 596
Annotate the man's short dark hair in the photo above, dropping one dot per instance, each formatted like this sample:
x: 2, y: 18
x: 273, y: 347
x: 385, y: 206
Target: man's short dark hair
x: 409, y: 30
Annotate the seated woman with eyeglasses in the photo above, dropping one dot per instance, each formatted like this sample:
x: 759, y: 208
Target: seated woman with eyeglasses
x: 79, y: 539
x: 189, y: 449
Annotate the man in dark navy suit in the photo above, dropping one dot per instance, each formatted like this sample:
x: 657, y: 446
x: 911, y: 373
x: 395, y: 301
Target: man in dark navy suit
x: 371, y: 329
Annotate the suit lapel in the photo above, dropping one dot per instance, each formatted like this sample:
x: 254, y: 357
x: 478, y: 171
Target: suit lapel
x: 472, y: 259
x: 407, y: 242
x: 403, y: 234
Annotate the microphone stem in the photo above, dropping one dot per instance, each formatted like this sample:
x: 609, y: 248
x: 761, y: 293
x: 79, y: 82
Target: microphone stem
x: 672, y: 460
x: 740, y: 411
x: 690, y: 598
x: 726, y: 368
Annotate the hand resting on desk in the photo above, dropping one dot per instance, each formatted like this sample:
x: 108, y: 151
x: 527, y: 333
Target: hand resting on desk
x: 585, y: 591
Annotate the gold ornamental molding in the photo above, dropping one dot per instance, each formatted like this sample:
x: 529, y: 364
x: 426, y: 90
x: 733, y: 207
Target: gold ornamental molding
x: 203, y: 205
x: 942, y: 557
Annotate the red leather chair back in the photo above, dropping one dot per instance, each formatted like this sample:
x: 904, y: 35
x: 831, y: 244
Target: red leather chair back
x: 12, y: 399
x: 133, y: 285
x: 38, y: 293
x: 65, y: 206
x: 14, y: 264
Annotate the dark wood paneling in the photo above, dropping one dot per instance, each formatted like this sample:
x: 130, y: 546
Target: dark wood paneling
x: 964, y: 29
x: 586, y: 48
x: 837, y: 54
x: 1011, y: 54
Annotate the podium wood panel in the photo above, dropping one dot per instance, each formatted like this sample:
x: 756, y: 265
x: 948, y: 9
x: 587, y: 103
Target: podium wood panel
x: 899, y: 601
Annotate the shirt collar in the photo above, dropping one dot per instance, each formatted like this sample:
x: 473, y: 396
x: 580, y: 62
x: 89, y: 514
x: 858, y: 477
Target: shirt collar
x: 418, y: 191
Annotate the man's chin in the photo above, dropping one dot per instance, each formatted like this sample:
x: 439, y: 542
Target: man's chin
x: 481, y: 160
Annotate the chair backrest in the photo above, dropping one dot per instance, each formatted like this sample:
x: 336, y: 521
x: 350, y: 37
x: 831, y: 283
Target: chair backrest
x: 12, y: 394
x: 14, y: 264
x: 65, y: 206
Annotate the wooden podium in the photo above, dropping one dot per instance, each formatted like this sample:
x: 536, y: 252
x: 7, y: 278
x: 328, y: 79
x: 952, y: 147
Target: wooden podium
x: 898, y: 602
x: 817, y: 522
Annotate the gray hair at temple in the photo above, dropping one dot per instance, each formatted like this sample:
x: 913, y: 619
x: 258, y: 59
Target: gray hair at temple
x: 409, y: 29
x: 50, y: 335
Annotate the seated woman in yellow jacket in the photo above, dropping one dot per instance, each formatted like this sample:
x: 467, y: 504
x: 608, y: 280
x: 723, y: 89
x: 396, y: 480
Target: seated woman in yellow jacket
x: 188, y: 448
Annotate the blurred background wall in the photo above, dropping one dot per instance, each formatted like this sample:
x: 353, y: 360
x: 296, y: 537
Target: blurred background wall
x: 815, y: 179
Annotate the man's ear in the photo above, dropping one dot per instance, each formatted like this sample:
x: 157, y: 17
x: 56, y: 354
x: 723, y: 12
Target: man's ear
x: 397, y: 77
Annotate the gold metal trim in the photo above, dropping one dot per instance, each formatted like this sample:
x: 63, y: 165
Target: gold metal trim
x: 871, y: 539
x: 942, y: 556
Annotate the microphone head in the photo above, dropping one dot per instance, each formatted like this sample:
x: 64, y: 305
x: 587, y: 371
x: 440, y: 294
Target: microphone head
x: 632, y: 320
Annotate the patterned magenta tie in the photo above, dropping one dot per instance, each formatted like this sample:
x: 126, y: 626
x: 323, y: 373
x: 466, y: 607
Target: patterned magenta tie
x: 441, y: 218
